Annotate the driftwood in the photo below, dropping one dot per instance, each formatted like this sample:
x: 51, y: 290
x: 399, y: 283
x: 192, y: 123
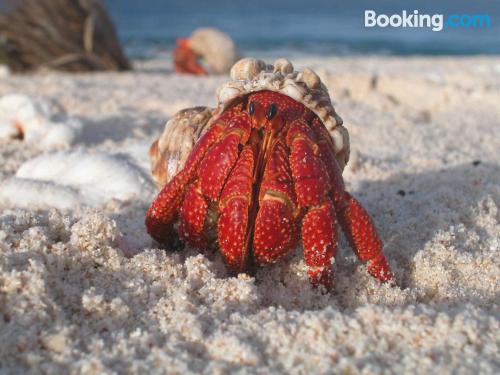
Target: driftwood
x: 70, y: 35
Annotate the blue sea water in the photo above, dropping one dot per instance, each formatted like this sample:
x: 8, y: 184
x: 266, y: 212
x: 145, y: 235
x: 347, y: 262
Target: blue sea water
x: 294, y: 27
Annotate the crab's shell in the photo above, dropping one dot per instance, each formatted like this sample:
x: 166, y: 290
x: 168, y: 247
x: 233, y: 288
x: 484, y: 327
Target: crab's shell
x: 170, y: 151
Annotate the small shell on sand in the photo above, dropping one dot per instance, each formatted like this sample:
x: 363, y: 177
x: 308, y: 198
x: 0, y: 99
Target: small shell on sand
x: 4, y: 71
x: 68, y: 179
x: 37, y: 121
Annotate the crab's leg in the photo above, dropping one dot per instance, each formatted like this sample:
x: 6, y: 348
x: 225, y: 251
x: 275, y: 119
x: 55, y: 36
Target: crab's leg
x: 319, y: 236
x: 219, y: 161
x: 212, y: 175
x: 363, y: 238
x: 192, y: 217
x: 164, y: 209
x: 234, y: 207
x: 326, y: 153
x: 275, y: 231
x: 312, y: 183
x: 354, y: 220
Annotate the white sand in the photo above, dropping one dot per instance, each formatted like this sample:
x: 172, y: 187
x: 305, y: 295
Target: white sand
x: 72, y: 302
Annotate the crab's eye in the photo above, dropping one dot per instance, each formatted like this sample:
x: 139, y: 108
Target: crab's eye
x: 251, y: 109
x: 271, y: 112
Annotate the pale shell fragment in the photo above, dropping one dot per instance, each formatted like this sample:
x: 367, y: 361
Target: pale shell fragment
x: 247, y: 68
x: 170, y: 151
x: 310, y: 78
x: 293, y: 91
x: 283, y: 66
x: 227, y: 94
x: 338, y: 139
x: 37, y: 121
x: 68, y: 179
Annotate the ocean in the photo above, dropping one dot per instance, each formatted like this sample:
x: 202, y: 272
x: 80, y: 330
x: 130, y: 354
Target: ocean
x: 295, y: 27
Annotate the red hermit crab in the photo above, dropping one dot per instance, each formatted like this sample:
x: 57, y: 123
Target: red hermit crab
x: 260, y: 172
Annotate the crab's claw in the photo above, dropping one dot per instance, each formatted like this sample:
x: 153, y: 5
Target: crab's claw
x: 186, y: 60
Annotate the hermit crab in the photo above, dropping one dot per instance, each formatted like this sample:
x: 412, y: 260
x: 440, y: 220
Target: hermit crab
x: 206, y: 51
x: 261, y: 172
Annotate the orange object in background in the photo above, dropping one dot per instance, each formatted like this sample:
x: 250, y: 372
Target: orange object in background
x: 186, y: 60
x: 206, y: 51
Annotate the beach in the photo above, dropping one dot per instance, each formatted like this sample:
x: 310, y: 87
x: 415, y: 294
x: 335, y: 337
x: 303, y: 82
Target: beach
x: 85, y: 290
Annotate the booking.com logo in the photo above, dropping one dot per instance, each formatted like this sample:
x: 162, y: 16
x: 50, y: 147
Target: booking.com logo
x: 436, y: 22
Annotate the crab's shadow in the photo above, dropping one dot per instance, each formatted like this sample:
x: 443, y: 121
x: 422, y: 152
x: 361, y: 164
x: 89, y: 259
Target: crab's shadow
x: 427, y: 203
x: 409, y: 210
